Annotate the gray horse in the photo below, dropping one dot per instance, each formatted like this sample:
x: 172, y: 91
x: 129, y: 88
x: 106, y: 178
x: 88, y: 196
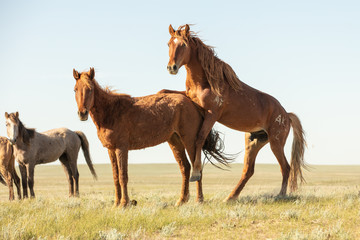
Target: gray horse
x: 32, y: 148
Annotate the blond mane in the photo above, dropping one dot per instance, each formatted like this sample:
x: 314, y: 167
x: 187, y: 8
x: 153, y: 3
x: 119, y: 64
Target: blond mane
x: 217, y: 72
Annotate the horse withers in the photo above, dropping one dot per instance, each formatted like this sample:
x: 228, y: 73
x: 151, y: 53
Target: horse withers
x: 8, y: 174
x: 32, y: 148
x: 127, y: 123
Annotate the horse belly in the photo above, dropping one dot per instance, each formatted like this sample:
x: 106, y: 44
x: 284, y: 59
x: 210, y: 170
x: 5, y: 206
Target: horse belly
x: 50, y: 151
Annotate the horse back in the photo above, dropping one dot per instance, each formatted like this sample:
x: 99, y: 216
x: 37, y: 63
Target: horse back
x: 155, y: 118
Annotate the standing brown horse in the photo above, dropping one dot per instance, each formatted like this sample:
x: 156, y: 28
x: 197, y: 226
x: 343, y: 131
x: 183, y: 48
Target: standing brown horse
x: 126, y: 123
x: 32, y: 148
x: 7, y: 168
x: 212, y: 84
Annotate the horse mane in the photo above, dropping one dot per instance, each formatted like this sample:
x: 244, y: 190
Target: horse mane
x: 93, y: 84
x: 217, y: 72
x: 25, y: 133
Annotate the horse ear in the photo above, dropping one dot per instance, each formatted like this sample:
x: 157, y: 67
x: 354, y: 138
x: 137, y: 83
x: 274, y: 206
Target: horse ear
x: 6, y: 115
x: 171, y: 30
x: 92, y: 73
x: 187, y: 30
x: 76, y: 74
x: 17, y: 114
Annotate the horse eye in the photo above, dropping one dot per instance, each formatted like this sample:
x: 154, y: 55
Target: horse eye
x: 74, y: 90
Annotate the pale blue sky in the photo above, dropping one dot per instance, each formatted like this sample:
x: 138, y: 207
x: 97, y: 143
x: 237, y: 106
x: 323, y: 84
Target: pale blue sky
x: 304, y: 53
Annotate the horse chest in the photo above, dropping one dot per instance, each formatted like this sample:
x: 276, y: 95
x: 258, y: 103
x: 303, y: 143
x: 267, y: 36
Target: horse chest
x: 21, y: 156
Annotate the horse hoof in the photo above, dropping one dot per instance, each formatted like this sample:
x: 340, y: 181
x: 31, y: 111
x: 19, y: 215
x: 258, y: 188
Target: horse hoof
x: 133, y: 202
x: 195, y: 178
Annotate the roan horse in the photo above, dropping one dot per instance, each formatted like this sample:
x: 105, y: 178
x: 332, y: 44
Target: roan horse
x: 126, y: 123
x: 7, y: 168
x: 212, y: 84
x: 32, y: 148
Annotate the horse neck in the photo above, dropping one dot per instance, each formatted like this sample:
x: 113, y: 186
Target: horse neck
x: 195, y: 73
x: 105, y: 106
x: 25, y: 135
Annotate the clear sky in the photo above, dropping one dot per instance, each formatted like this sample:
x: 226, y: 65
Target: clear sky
x: 304, y: 53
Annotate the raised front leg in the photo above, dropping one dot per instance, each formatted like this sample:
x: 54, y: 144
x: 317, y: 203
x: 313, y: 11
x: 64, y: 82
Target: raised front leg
x: 115, y: 169
x: 24, y: 180
x: 209, y: 121
x: 122, y: 161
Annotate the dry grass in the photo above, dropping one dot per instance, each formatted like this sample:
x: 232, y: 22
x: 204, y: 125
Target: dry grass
x: 327, y: 207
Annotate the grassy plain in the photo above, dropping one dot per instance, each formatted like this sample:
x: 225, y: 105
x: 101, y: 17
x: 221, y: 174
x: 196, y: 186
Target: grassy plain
x: 326, y: 207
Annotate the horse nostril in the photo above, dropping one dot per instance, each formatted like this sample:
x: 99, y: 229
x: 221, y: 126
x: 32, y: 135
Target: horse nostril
x: 168, y: 68
x: 86, y: 112
x: 174, y: 67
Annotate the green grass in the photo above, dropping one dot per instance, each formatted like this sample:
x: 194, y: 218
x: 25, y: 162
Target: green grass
x: 326, y: 207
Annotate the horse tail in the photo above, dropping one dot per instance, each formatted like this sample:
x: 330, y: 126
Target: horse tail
x: 214, y: 149
x: 297, y: 152
x: 85, y: 148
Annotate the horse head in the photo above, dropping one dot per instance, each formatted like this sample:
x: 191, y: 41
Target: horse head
x: 179, y: 48
x: 84, y: 92
x: 12, y: 126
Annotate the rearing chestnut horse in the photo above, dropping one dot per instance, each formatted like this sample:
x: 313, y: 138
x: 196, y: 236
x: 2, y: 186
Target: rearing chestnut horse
x: 212, y: 84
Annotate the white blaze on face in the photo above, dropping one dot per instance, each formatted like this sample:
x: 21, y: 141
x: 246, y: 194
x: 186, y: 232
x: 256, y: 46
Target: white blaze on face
x: 11, y: 130
x: 175, y: 40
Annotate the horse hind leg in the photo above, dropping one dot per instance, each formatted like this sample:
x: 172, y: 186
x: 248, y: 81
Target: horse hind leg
x: 72, y: 159
x: 277, y: 143
x: 9, y: 183
x: 253, y: 143
x: 178, y: 150
x: 65, y: 163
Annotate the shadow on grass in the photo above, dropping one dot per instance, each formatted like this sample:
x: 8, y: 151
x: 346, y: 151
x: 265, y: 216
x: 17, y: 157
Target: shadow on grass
x: 268, y: 198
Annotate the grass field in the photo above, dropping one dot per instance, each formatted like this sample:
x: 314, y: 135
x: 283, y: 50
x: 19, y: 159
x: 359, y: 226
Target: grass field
x: 326, y: 207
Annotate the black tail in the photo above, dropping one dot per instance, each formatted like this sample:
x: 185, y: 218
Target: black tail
x: 214, y: 149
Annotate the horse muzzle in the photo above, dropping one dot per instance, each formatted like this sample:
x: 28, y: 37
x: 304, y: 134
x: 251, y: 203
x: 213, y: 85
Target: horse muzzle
x: 173, y: 69
x: 83, y: 116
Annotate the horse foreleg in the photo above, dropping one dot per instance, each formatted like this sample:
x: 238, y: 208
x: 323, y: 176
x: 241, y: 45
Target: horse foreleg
x: 199, y: 191
x: 115, y: 170
x: 208, y: 123
x: 17, y: 183
x: 178, y: 150
x: 122, y: 161
x: 30, y: 172
x: 252, y: 148
x: 9, y: 182
x: 23, y: 179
